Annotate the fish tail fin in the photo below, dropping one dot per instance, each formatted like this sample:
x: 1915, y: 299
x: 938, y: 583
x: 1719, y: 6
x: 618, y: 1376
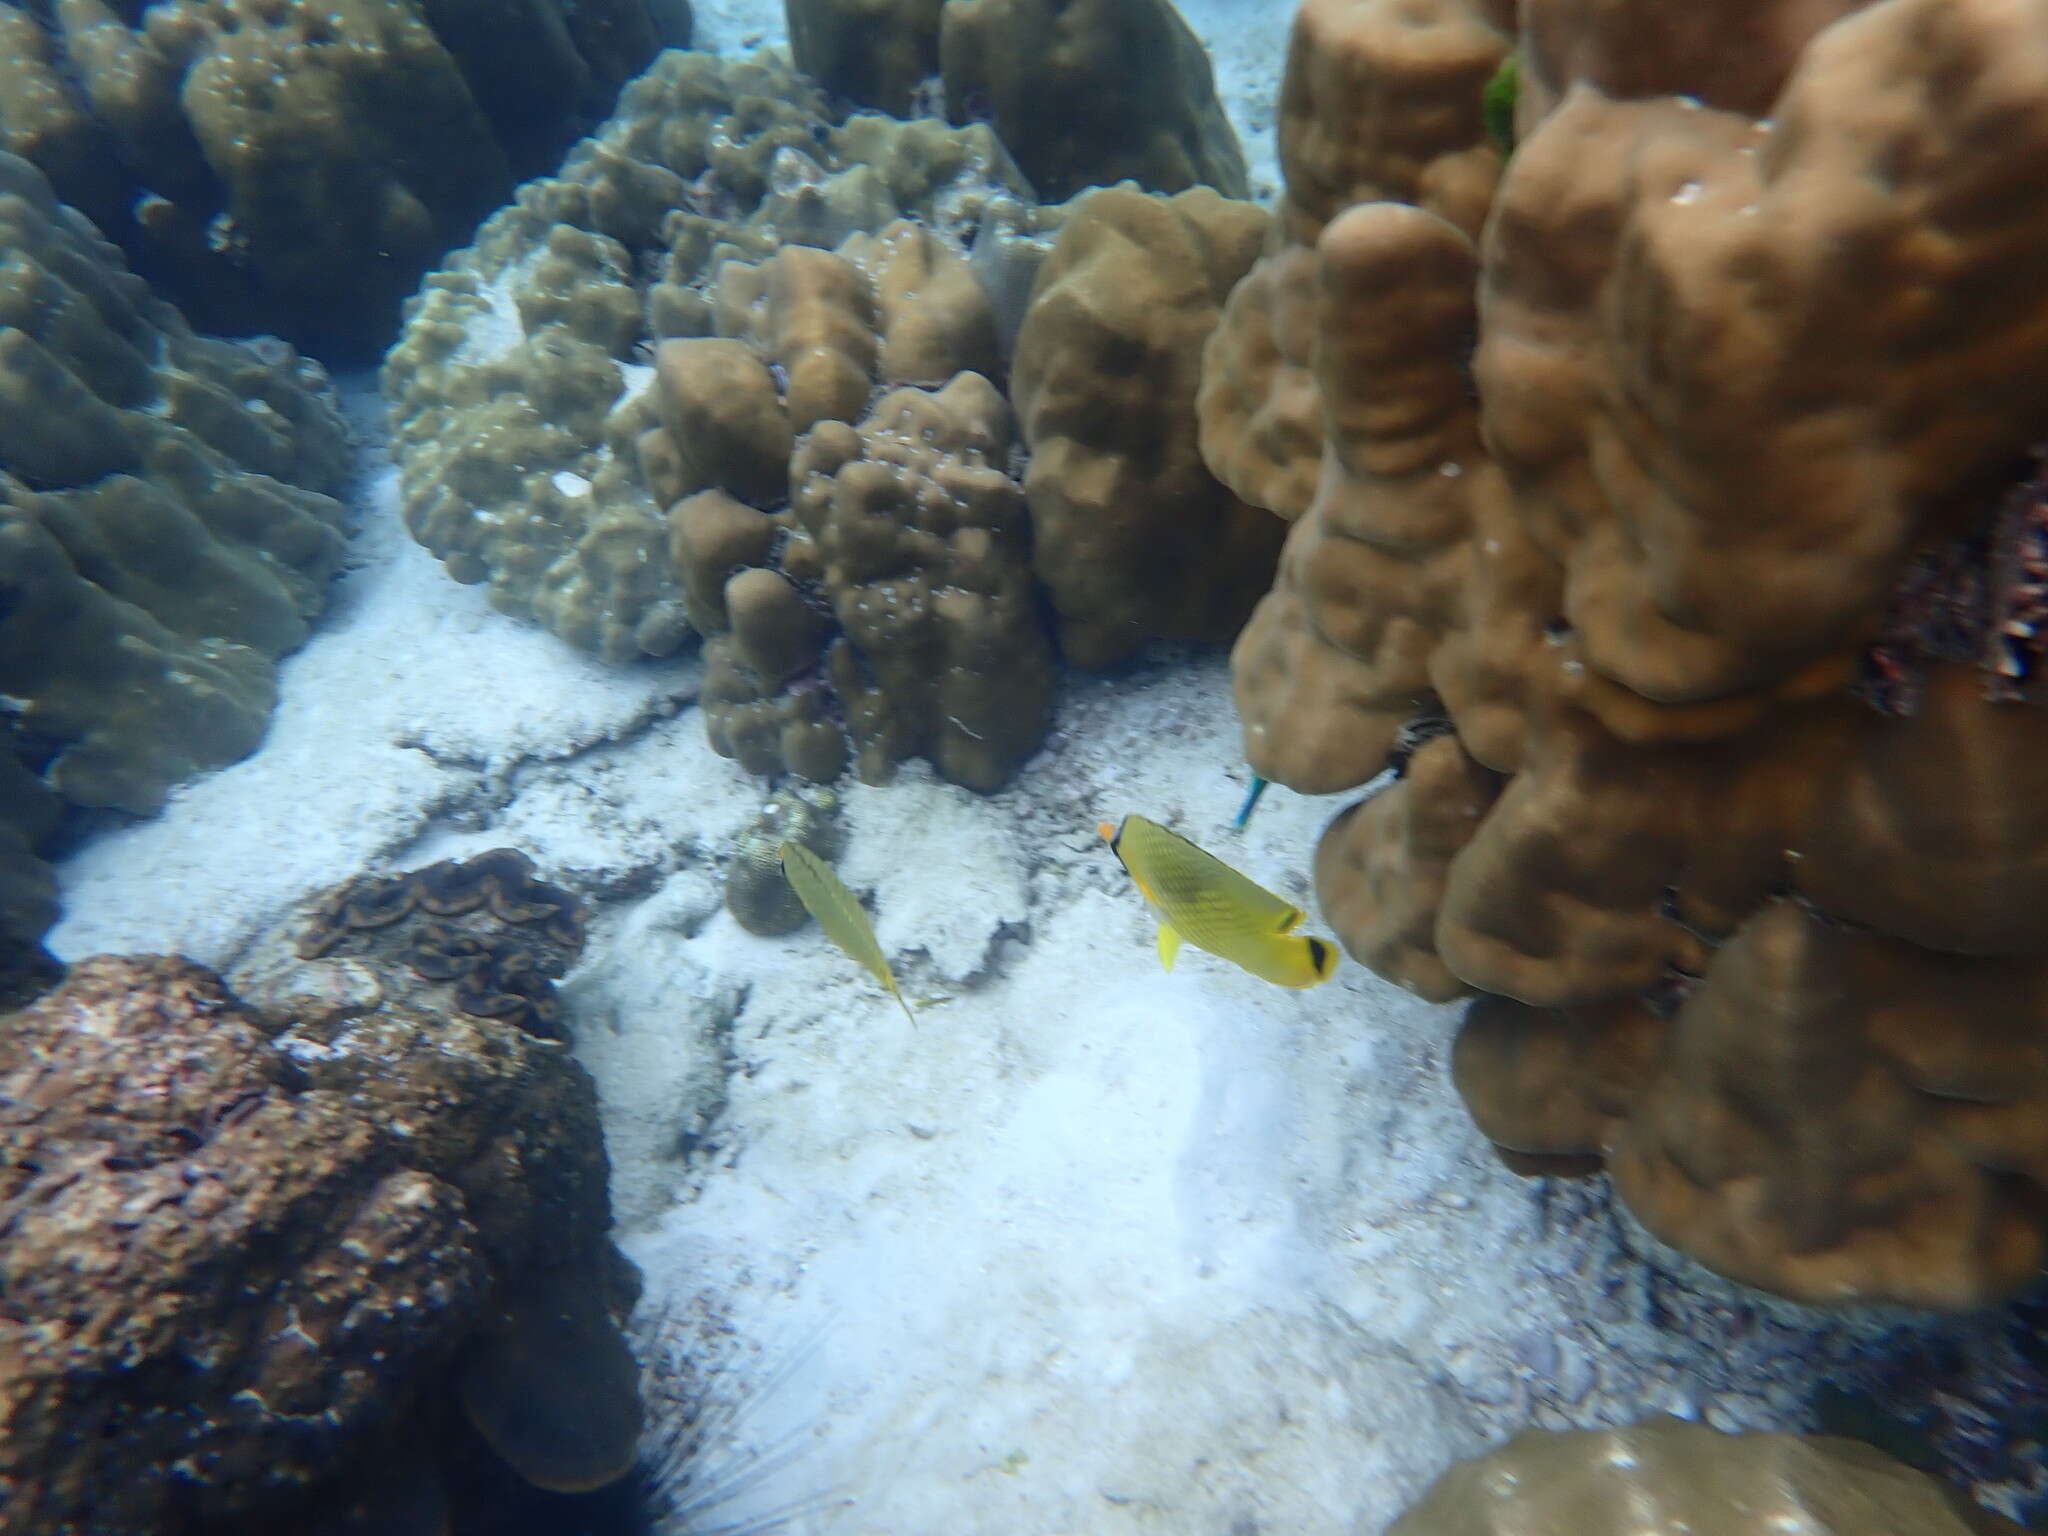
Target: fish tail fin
x: 1169, y: 945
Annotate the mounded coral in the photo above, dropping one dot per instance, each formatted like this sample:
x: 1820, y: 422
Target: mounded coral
x: 1084, y: 93
x: 165, y: 532
x: 1134, y: 538
x: 1667, y: 1474
x: 1731, y: 583
x: 522, y: 388
x: 296, y: 167
x: 250, y: 1254
x: 1381, y: 101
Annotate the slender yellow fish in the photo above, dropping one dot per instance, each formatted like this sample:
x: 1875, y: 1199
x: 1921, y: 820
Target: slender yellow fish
x: 839, y: 913
x: 1198, y: 897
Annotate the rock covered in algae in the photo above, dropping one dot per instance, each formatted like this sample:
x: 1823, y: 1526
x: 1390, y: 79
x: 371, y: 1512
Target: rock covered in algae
x: 250, y: 1251
x: 756, y: 893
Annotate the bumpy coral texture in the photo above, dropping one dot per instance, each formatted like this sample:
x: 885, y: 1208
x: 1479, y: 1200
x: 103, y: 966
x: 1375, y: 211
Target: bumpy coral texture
x: 295, y: 167
x: 1728, y: 588
x: 1666, y: 1474
x: 521, y: 390
x: 247, y: 1252
x: 1381, y: 100
x: 1133, y: 537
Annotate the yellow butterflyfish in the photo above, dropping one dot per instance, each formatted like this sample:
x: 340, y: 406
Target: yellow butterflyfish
x: 839, y: 913
x: 1198, y: 897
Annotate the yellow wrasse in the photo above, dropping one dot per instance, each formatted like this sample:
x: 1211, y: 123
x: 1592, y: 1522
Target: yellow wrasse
x: 839, y: 913
x: 1198, y: 897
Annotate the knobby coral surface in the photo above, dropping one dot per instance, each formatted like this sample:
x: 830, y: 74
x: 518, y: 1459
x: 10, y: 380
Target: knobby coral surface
x: 1730, y: 584
x: 249, y: 1253
x: 522, y: 389
x: 296, y: 167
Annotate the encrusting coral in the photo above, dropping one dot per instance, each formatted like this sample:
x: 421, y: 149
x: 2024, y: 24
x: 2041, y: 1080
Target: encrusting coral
x: 521, y: 389
x: 255, y: 1257
x: 1728, y: 583
x: 186, y: 129
x: 1667, y: 1474
x: 166, y: 533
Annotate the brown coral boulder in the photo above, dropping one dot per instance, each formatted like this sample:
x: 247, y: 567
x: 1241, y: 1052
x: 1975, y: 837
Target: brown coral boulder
x: 1133, y: 536
x: 242, y: 1248
x: 1735, y: 574
x: 1666, y: 1474
x: 1089, y: 92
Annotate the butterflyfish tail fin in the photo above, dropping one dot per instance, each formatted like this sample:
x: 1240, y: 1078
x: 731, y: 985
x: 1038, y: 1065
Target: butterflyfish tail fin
x: 1169, y: 945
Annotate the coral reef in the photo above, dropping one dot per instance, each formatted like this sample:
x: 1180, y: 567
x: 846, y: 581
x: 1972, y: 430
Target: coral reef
x: 1383, y: 100
x: 1085, y: 93
x: 756, y: 893
x: 295, y: 168
x: 521, y: 392
x: 1667, y: 1474
x: 253, y: 1258
x: 1733, y: 615
x: 165, y: 533
x: 1131, y: 534
x: 483, y: 936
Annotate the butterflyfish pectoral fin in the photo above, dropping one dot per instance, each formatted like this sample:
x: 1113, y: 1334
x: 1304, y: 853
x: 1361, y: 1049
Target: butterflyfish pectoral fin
x: 1291, y: 919
x: 1169, y: 945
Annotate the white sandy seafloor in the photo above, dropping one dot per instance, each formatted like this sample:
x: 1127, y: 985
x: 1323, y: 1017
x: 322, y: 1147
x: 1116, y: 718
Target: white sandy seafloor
x: 1091, y: 1247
